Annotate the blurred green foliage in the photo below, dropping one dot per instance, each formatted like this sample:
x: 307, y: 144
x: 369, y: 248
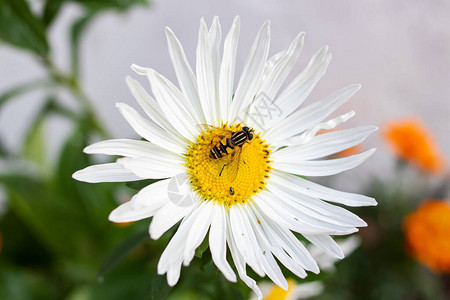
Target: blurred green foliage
x: 21, y: 28
x: 56, y: 241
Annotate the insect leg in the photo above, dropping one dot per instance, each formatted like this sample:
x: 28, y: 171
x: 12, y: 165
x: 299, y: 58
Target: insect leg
x: 220, y: 174
x: 232, y: 155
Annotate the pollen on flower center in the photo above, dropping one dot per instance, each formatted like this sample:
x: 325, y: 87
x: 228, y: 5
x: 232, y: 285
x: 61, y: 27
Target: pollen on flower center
x: 228, y: 177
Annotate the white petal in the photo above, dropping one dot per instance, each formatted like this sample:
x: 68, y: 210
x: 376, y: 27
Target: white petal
x: 240, y: 264
x: 271, y: 63
x: 326, y: 243
x: 275, y: 216
x: 142, y: 205
x: 311, y: 115
x: 263, y: 250
x: 252, y: 72
x: 300, y: 88
x: 180, y: 102
x: 316, y: 208
x: 309, y: 134
x: 151, y: 168
x: 323, y: 167
x: 198, y: 231
x: 227, y: 70
x: 214, y: 39
x: 173, y: 274
x: 305, y: 214
x: 153, y: 196
x: 172, y: 256
x: 127, y: 213
x: 205, y: 74
x: 152, y: 109
x: 325, y: 144
x: 264, y: 107
x: 185, y: 75
x: 150, y: 131
x: 132, y: 148
x: 244, y: 238
x: 111, y: 172
x: 174, y: 105
x: 276, y: 248
x: 218, y: 243
x: 283, y: 237
x: 139, y: 70
x: 311, y: 189
x: 281, y: 69
x: 296, y: 220
x: 166, y: 217
x: 326, y: 262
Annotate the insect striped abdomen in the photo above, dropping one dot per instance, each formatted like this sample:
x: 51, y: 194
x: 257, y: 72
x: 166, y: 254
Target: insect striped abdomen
x: 239, y: 138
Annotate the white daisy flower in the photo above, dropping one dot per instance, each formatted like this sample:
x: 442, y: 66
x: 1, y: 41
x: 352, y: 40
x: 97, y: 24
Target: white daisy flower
x: 229, y: 158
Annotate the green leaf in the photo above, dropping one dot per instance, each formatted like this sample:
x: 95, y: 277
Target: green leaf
x: 120, y: 5
x: 229, y: 290
x: 23, y: 88
x: 17, y: 283
x: 3, y: 151
x: 51, y: 10
x: 22, y: 247
x: 20, y: 28
x: 159, y: 288
x: 34, y: 145
x: 202, y: 248
x: 76, y: 33
x: 121, y: 251
x: 94, y: 201
x: 39, y: 208
x: 140, y: 184
x: 70, y: 222
x: 72, y: 157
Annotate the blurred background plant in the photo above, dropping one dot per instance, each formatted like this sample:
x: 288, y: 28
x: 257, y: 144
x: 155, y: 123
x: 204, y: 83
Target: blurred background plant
x: 404, y: 252
x: 56, y: 242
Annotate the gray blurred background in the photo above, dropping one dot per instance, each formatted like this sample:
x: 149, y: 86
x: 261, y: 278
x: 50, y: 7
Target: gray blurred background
x: 398, y: 50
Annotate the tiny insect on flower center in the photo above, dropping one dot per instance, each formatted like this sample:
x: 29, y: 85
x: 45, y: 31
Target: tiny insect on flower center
x: 232, y: 177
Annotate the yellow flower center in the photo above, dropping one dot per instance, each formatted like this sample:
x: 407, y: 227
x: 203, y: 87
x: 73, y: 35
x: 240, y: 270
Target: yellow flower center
x: 230, y: 176
x: 277, y: 293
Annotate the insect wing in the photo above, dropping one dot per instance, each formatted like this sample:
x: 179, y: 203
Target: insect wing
x: 205, y: 127
x: 220, y: 133
x: 217, y: 130
x: 231, y: 165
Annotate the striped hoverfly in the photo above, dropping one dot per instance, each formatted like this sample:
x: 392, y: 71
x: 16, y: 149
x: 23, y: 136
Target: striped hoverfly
x: 227, y: 146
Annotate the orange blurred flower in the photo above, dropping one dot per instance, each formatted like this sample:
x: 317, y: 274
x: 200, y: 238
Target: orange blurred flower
x: 410, y: 141
x: 427, y: 233
x: 350, y: 151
